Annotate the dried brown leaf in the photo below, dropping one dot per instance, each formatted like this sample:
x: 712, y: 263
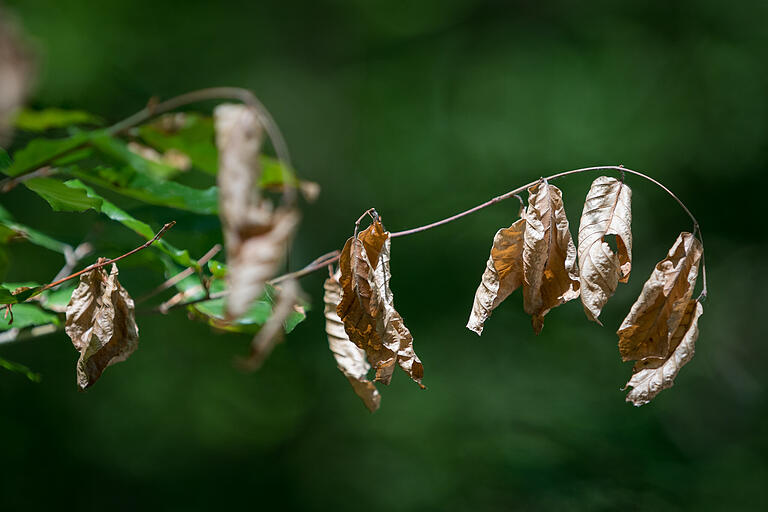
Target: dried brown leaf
x: 101, y: 324
x: 255, y: 234
x: 271, y: 333
x: 607, y: 211
x: 367, y: 307
x: 651, y: 376
x: 550, y: 275
x: 350, y: 359
x: 503, y: 274
x: 647, y: 330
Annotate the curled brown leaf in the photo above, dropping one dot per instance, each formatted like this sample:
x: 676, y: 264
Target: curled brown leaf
x: 100, y: 322
x: 350, y: 359
x: 607, y: 211
x: 651, y: 376
x: 648, y: 328
x: 550, y: 275
x: 367, y: 306
x: 503, y: 274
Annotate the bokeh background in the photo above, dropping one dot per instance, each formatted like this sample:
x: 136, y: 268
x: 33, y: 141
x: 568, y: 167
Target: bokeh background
x: 420, y: 109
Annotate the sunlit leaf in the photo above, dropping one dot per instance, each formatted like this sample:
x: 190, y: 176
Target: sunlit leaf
x: 142, y: 228
x: 41, y: 120
x: 129, y: 183
x: 28, y: 315
x: 61, y: 197
x: 101, y: 324
x: 40, y: 152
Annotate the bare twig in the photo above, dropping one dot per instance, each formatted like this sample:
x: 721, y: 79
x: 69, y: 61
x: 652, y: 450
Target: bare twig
x: 181, y: 275
x: 9, y: 183
x: 108, y: 262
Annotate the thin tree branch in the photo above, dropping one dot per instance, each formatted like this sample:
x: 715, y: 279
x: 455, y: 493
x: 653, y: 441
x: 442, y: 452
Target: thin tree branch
x: 108, y: 262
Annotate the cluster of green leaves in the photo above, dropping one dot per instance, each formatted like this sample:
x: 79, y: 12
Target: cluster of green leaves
x: 70, y: 171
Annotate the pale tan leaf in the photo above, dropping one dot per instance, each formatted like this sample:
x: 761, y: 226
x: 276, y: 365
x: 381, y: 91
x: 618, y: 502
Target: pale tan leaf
x: 101, y: 324
x: 367, y: 307
x: 655, y: 375
x: 503, y: 274
x: 15, y: 74
x: 549, y: 257
x: 607, y: 211
x: 271, y: 333
x: 255, y: 234
x: 350, y: 359
x: 647, y: 330
x: 256, y: 259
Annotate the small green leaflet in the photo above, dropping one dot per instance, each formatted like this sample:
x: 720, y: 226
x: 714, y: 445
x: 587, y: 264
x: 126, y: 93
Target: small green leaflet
x: 142, y: 228
x: 61, y: 197
x: 7, y: 297
x: 40, y: 152
x: 41, y: 120
x: 20, y: 368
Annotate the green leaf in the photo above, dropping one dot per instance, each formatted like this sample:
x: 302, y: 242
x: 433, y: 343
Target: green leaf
x: 43, y: 151
x: 217, y: 268
x: 20, y: 368
x: 118, y: 152
x: 7, y: 297
x: 195, y: 138
x: 162, y: 193
x: 28, y: 315
x: 61, y: 197
x: 32, y: 236
x: 41, y: 120
x: 212, y: 311
x: 142, y: 228
x: 5, y: 160
x: 59, y: 298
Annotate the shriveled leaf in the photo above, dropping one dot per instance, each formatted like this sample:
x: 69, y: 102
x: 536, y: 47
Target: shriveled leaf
x: 15, y: 70
x: 42, y: 120
x: 549, y: 256
x: 350, y: 359
x: 367, y: 307
x: 651, y: 376
x: 503, y: 274
x: 607, y: 211
x: 255, y: 234
x: 647, y: 330
x: 101, y: 324
x: 271, y: 332
x: 61, y: 197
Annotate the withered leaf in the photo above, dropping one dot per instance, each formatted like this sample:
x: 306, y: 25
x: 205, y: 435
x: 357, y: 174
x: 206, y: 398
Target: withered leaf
x: 647, y: 330
x: 607, y: 211
x: 271, y: 333
x: 367, y: 308
x: 550, y: 275
x: 101, y: 324
x: 15, y: 70
x: 255, y: 234
x: 503, y: 274
x: 651, y: 376
x: 350, y: 359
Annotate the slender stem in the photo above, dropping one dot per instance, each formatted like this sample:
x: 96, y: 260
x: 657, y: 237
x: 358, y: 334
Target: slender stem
x: 321, y: 262
x: 108, y: 262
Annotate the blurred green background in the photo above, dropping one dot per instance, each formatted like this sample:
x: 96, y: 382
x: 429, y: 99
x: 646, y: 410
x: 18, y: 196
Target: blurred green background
x: 421, y: 109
